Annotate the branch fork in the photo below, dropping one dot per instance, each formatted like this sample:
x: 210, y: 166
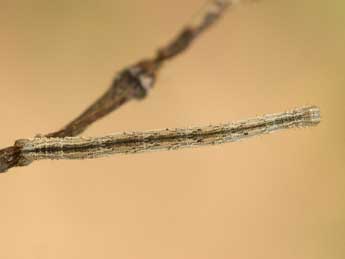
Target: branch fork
x: 135, y: 82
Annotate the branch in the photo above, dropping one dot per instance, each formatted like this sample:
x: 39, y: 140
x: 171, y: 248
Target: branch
x: 132, y: 83
x: 135, y: 82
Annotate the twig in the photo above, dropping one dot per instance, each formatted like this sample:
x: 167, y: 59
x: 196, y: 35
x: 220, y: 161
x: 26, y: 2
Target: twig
x: 167, y: 139
x: 136, y: 81
x: 132, y: 83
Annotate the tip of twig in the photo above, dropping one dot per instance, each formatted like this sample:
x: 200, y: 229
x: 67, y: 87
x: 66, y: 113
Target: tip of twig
x: 212, y: 12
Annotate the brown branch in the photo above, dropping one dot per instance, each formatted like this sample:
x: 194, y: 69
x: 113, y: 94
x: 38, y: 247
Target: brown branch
x: 132, y: 83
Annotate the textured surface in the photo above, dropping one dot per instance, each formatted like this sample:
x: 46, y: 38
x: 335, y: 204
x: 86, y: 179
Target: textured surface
x: 166, y: 139
x: 279, y: 196
x: 133, y: 82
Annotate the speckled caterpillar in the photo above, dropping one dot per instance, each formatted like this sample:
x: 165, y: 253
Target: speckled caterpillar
x: 166, y: 139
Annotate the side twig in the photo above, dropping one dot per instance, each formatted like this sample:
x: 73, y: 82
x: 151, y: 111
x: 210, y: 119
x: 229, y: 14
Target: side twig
x: 136, y: 81
x: 133, y: 82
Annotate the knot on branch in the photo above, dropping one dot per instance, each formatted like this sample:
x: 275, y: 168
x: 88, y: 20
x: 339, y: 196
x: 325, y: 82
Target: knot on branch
x: 12, y: 156
x: 141, y: 78
x: 9, y: 157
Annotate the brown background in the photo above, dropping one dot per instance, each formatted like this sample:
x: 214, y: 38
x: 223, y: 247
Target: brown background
x: 278, y: 196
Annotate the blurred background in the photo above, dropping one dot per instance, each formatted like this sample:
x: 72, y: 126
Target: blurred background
x: 277, y: 196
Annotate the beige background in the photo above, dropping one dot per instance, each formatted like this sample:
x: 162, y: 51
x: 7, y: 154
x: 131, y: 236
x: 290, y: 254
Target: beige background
x: 278, y: 196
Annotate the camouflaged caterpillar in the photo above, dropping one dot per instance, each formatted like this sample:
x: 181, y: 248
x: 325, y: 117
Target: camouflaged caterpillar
x: 166, y: 139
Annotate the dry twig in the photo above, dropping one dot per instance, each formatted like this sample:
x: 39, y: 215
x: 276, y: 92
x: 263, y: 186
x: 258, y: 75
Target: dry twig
x: 133, y: 82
